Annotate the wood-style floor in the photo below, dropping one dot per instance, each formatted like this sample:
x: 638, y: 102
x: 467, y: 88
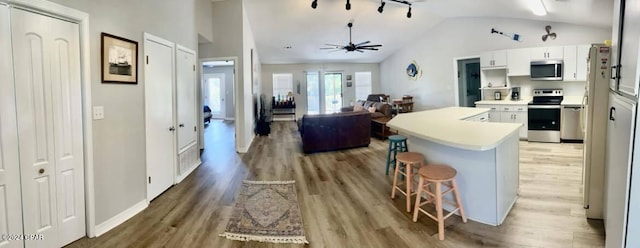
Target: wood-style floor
x: 344, y: 198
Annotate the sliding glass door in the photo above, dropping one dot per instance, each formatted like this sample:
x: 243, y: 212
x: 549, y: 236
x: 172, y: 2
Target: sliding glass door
x: 332, y: 92
x: 313, y: 92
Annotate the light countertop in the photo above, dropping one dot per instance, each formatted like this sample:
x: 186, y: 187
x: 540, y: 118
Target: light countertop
x: 508, y: 101
x: 445, y: 126
x: 572, y: 101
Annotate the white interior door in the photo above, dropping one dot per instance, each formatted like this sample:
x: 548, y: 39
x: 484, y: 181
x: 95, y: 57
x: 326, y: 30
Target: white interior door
x: 160, y: 127
x: 186, y: 97
x: 49, y: 113
x: 10, y: 196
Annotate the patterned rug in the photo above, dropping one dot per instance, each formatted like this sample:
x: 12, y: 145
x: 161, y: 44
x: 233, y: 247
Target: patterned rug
x: 266, y: 212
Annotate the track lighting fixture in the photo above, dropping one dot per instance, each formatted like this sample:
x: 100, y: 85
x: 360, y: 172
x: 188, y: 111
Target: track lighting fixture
x: 381, y: 8
x: 347, y: 6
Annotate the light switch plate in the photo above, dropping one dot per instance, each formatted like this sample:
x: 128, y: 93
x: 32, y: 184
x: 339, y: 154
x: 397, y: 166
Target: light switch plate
x: 98, y: 112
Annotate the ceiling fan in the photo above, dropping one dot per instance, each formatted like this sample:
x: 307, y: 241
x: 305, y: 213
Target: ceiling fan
x: 352, y: 47
x: 549, y: 34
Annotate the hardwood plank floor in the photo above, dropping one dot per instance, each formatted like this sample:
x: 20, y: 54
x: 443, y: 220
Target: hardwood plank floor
x: 344, y: 199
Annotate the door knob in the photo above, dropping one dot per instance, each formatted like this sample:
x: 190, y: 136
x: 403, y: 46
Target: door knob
x: 41, y: 170
x: 172, y: 128
x: 181, y: 125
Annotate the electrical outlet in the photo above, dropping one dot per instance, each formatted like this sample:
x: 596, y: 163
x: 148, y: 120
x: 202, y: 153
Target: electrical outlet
x: 98, y: 112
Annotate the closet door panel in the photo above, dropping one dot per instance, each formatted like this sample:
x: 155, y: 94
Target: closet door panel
x: 10, y: 196
x: 186, y: 101
x: 68, y: 137
x: 35, y: 125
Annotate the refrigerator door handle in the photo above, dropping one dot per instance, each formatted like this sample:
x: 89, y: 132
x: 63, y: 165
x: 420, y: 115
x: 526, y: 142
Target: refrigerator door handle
x: 615, y: 74
x: 582, y: 114
x: 612, y: 113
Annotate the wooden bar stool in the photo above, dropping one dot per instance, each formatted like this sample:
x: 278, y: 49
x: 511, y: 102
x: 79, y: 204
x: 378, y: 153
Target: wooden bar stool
x: 438, y: 175
x: 408, y: 161
x: 397, y: 143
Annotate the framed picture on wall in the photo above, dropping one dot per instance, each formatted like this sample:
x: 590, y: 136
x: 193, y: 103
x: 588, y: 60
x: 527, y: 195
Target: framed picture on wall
x: 119, y: 60
x: 348, y: 77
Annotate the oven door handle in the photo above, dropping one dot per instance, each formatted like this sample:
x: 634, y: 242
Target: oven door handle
x: 544, y: 106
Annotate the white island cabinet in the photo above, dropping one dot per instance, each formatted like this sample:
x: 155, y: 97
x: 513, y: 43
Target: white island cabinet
x: 485, y: 154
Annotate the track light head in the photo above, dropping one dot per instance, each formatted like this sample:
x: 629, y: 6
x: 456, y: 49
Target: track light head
x: 381, y: 8
x: 314, y: 4
x: 409, y: 12
x: 348, y: 5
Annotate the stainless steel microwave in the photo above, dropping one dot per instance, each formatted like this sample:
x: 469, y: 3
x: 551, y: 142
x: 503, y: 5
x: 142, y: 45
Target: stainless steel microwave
x: 547, y: 70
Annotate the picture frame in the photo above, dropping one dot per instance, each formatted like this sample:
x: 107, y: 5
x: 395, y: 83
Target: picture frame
x: 348, y: 77
x: 349, y: 84
x: 119, y: 59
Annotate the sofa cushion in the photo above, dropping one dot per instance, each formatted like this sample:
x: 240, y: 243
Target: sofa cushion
x: 358, y: 108
x: 377, y: 115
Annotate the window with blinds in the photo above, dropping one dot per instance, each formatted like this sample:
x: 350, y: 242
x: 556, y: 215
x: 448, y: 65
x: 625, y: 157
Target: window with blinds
x: 363, y: 85
x: 282, y: 84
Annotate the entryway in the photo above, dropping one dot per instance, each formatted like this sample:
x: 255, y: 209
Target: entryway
x: 218, y: 101
x: 468, y: 75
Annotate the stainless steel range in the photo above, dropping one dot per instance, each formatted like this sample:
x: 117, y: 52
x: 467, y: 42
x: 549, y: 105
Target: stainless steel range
x: 544, y: 115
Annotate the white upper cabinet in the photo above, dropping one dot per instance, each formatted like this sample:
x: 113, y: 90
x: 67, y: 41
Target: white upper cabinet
x: 543, y: 53
x: 628, y: 65
x: 582, y: 62
x: 493, y: 59
x: 519, y: 62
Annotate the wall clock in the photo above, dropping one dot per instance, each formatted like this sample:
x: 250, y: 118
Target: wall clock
x: 413, y: 71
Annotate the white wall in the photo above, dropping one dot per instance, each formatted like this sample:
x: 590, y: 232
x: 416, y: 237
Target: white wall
x: 463, y: 37
x: 119, y: 139
x: 299, y: 77
x: 229, y: 111
x: 250, y: 82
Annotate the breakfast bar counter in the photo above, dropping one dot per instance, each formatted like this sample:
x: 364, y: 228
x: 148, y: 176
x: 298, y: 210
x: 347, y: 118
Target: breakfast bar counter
x: 485, y: 154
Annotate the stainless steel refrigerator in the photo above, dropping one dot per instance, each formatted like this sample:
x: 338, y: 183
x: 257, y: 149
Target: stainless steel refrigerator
x: 594, y: 122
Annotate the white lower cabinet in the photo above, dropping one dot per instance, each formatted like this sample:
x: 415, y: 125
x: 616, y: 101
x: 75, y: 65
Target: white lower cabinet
x: 509, y: 114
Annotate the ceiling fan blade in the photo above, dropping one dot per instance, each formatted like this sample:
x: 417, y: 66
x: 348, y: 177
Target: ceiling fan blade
x: 358, y: 50
x: 362, y: 43
x: 552, y: 36
x: 371, y: 46
x: 544, y: 37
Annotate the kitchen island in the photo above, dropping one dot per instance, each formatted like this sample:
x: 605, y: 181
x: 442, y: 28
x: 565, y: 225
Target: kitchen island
x: 485, y: 154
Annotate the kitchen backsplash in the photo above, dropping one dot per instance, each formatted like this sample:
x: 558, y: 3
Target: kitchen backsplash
x: 526, y: 87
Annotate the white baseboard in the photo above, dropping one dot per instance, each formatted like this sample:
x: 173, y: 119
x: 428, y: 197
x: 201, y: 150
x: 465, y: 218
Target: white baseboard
x: 229, y: 119
x: 104, y: 227
x: 188, y: 172
x: 246, y: 149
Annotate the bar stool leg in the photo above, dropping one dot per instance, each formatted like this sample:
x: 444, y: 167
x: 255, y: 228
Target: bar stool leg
x: 407, y: 171
x: 458, y: 202
x: 388, y: 158
x: 439, y: 210
x: 416, y: 208
x: 395, y: 180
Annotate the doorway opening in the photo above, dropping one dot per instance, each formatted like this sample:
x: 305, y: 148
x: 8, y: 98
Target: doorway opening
x: 468, y: 75
x: 218, y: 106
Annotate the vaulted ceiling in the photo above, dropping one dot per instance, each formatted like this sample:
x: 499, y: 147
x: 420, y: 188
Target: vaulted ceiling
x: 278, y: 24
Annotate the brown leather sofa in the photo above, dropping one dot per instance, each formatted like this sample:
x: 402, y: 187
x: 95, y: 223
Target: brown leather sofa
x: 328, y: 132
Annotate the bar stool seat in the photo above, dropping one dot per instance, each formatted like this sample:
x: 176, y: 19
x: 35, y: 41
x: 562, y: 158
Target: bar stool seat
x: 437, y: 175
x: 407, y: 161
x: 397, y: 143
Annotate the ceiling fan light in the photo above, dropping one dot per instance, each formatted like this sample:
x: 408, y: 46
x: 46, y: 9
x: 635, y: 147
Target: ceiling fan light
x: 314, y: 4
x: 348, y: 5
x: 381, y: 8
x: 409, y: 12
x: 537, y: 7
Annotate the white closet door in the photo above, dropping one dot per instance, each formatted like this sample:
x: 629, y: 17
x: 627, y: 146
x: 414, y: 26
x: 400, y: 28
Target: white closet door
x: 10, y: 198
x: 186, y: 99
x: 48, y: 93
x: 160, y: 129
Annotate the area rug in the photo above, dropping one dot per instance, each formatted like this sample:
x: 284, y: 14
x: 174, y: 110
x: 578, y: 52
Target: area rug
x: 266, y: 211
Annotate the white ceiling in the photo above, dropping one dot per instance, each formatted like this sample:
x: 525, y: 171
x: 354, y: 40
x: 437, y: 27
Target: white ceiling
x: 280, y: 23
